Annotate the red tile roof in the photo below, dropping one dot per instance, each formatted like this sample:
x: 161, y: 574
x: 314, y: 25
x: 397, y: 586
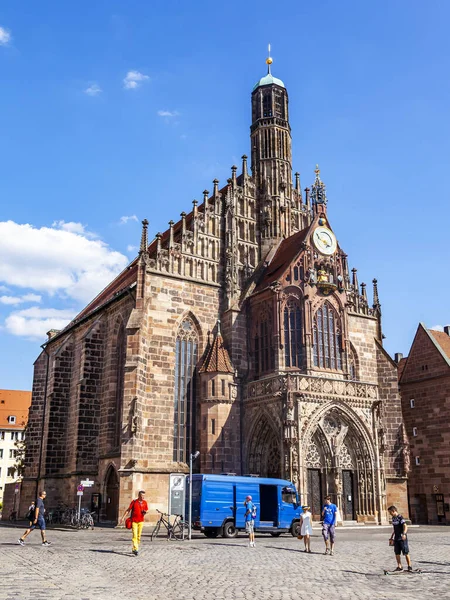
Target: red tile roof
x: 443, y: 340
x: 217, y: 358
x: 287, y: 251
x: 14, y: 403
x: 400, y: 367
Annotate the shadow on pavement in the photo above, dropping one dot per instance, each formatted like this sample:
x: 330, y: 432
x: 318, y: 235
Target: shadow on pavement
x: 111, y: 552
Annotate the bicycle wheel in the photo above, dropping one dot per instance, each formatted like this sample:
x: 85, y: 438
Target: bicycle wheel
x: 176, y: 533
x: 156, y: 530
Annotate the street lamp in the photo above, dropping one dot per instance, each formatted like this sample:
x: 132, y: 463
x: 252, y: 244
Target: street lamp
x: 192, y: 457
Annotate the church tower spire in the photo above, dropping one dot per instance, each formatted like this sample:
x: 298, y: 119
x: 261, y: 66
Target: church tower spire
x: 271, y: 155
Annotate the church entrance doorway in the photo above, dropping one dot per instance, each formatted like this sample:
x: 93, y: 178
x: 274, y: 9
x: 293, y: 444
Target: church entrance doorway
x: 112, y: 495
x: 348, y: 495
x: 315, y: 493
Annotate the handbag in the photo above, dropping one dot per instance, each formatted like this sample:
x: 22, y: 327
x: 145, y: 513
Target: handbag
x: 299, y: 537
x: 128, y: 522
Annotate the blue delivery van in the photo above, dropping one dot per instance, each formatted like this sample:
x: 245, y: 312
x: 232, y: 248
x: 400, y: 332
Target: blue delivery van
x: 218, y: 504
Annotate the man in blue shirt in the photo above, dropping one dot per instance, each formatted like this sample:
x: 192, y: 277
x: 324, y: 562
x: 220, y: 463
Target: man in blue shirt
x: 329, y: 514
x: 38, y: 520
x: 250, y: 513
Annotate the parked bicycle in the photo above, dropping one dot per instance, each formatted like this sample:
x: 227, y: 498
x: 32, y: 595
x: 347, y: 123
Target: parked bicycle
x: 175, y: 531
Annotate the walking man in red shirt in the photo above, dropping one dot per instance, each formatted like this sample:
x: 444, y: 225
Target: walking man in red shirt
x: 137, y: 510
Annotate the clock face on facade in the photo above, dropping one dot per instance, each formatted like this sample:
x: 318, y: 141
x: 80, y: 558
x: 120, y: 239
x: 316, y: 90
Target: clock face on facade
x: 324, y: 240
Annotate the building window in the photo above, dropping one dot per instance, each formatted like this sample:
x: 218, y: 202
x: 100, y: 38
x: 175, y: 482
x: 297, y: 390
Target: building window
x: 12, y: 453
x: 12, y: 420
x: 11, y: 472
x: 1, y: 452
x: 15, y: 435
x: 223, y: 387
x: 2, y: 435
x: 412, y: 403
x: 213, y: 388
x: 267, y: 105
x: 263, y: 344
x: 120, y: 386
x: 417, y: 460
x: 184, y: 390
x: 293, y: 347
x: 327, y: 338
x: 213, y: 426
x: 415, y: 431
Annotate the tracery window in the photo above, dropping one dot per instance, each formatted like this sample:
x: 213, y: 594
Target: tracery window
x: 326, y: 338
x: 264, y: 360
x: 267, y: 105
x: 186, y: 350
x: 293, y: 347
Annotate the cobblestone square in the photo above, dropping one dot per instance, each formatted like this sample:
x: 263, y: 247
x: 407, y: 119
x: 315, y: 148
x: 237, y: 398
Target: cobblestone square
x: 88, y: 565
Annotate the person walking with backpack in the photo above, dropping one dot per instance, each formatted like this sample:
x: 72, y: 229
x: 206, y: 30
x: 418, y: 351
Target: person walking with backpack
x: 37, y: 520
x: 137, y: 510
x: 250, y: 516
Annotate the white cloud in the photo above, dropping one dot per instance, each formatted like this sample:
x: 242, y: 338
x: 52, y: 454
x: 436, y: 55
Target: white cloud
x: 74, y: 227
x: 93, y: 90
x: 56, y: 261
x: 34, y: 322
x: 20, y: 299
x: 133, y: 80
x: 131, y: 248
x: 5, y: 37
x: 168, y: 113
x: 124, y: 220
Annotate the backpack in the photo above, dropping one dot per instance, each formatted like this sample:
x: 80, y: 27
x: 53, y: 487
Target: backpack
x: 254, y: 512
x: 30, y: 515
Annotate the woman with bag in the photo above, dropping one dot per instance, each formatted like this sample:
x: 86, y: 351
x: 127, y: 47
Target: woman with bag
x: 135, y: 522
x: 306, y: 527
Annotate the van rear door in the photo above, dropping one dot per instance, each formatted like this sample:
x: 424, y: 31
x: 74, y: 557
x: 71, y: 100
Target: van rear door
x: 241, y: 491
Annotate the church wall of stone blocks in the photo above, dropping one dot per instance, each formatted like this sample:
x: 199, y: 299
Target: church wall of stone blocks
x: 240, y: 332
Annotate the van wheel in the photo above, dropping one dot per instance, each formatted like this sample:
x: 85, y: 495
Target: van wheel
x: 229, y: 530
x: 295, y: 528
x: 275, y: 533
x: 211, y: 532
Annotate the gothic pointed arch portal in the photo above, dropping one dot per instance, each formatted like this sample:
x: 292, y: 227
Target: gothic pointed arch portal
x: 340, y: 463
x: 112, y: 489
x: 264, y: 452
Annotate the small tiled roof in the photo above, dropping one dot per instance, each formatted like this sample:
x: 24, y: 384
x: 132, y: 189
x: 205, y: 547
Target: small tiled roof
x: 217, y: 359
x: 14, y: 403
x: 287, y: 251
x: 401, y: 366
x: 443, y: 340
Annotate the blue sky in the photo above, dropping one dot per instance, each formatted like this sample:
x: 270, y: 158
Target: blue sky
x: 111, y: 112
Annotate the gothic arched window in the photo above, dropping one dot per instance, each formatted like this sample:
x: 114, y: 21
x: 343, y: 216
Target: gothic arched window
x: 327, y: 337
x: 184, y: 390
x: 121, y: 350
x: 267, y: 105
x: 292, y: 323
x: 263, y: 344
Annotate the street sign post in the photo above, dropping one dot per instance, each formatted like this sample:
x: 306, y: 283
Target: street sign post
x: 80, y: 489
x: 177, y: 493
x: 87, y: 483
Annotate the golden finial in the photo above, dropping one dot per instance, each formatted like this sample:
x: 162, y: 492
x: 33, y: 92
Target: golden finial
x: 269, y: 61
x: 317, y: 172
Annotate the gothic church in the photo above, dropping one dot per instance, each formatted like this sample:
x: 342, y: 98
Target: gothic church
x: 240, y: 332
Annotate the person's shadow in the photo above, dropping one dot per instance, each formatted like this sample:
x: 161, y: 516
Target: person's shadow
x: 111, y: 552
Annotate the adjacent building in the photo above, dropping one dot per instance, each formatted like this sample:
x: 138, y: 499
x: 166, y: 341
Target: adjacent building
x: 240, y: 331
x: 14, y: 405
x: 424, y: 379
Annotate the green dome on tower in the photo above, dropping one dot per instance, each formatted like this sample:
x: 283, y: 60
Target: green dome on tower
x: 269, y: 79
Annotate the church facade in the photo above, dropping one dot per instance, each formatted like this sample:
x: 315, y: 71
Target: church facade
x: 240, y: 332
